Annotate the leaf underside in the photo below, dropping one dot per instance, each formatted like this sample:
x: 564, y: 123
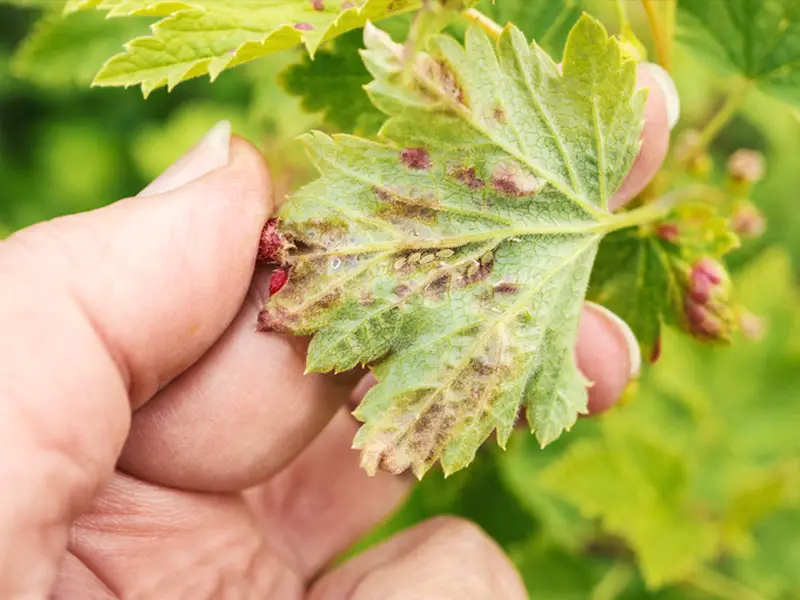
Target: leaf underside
x: 205, y: 37
x: 454, y: 258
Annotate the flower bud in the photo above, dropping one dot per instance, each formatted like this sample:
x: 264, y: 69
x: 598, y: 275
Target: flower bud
x: 706, y: 305
x: 746, y: 166
x: 668, y: 232
x: 747, y: 221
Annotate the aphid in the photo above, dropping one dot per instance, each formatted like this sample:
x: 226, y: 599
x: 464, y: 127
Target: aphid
x: 428, y: 258
x: 399, y: 263
x: 446, y: 253
x: 414, y: 258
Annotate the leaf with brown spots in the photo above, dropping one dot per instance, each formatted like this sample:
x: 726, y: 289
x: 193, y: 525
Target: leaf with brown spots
x: 472, y: 230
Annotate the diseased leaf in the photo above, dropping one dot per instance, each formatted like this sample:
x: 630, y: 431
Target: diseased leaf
x: 643, y: 275
x: 333, y: 83
x: 455, y: 257
x: 200, y: 37
x: 757, y: 39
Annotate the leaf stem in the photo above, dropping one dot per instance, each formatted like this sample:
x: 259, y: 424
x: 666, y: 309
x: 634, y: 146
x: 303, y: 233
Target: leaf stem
x: 717, y: 585
x: 642, y: 216
x: 613, y: 583
x: 669, y: 10
x: 476, y: 17
x: 732, y: 104
x: 622, y: 15
x: 659, y: 32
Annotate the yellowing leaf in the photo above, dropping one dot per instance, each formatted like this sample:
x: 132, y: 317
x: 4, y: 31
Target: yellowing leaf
x: 638, y: 491
x: 200, y: 37
x: 456, y: 256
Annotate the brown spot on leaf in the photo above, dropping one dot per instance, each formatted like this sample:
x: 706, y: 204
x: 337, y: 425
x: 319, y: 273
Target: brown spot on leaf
x: 436, y: 288
x: 469, y: 177
x: 506, y: 288
x: 499, y: 115
x: 272, y: 319
x: 367, y: 299
x: 402, y: 290
x: 478, y: 271
x: 509, y: 179
x: 417, y: 159
x: 395, y: 205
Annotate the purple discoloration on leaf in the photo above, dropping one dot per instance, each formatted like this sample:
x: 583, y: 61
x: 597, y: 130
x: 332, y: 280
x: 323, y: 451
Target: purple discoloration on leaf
x: 417, y: 159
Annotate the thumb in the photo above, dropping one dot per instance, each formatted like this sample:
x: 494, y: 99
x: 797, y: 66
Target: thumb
x: 97, y: 312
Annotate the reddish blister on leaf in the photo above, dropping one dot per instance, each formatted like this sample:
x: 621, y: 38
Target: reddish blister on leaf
x: 277, y: 280
x: 273, y: 244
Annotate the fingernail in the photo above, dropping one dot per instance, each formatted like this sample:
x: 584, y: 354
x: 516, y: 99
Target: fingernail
x: 626, y: 334
x: 211, y: 153
x: 670, y: 90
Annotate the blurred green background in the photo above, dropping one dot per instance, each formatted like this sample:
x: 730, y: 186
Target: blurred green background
x: 691, y: 489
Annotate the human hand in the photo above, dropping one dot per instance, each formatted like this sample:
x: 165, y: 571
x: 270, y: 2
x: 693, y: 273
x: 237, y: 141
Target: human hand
x: 153, y: 445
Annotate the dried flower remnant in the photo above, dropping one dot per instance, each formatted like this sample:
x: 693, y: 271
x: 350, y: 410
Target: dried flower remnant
x: 747, y: 221
x: 747, y: 166
x: 668, y: 232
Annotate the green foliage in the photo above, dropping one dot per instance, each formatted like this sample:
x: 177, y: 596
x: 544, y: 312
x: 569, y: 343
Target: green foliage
x: 759, y: 40
x: 199, y: 37
x: 333, y: 83
x: 471, y: 238
x: 642, y: 275
x: 61, y: 52
x: 693, y: 485
x: 549, y: 23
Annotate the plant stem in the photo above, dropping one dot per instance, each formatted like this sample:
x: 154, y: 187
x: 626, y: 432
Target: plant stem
x: 476, y: 17
x: 642, y: 216
x: 622, y: 15
x: 613, y: 583
x: 660, y: 38
x: 669, y: 10
x: 719, y: 586
x: 732, y: 104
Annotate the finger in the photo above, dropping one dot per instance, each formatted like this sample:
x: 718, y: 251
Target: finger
x: 662, y: 112
x: 96, y: 302
x: 238, y: 416
x: 444, y: 558
x: 145, y: 541
x: 324, y: 502
x: 608, y: 356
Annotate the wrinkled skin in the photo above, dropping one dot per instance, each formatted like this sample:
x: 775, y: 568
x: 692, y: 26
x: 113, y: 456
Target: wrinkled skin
x: 153, y: 445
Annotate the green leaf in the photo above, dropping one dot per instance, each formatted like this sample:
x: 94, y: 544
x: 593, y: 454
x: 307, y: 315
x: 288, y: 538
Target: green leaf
x: 757, y: 39
x: 641, y: 274
x: 546, y: 21
x: 200, y: 37
x: 457, y: 255
x: 638, y: 491
x: 62, y: 52
x: 521, y: 467
x: 333, y: 83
